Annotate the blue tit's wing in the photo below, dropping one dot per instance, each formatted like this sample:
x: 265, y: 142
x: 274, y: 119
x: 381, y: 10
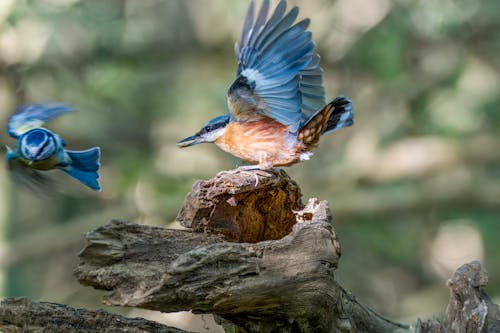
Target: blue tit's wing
x: 278, y: 74
x: 31, y: 116
x: 23, y: 174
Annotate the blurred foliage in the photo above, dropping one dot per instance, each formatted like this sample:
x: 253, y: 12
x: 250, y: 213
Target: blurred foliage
x: 419, y: 167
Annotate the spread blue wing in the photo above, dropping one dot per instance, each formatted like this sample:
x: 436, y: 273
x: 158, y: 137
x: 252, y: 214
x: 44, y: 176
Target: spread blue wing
x: 278, y: 74
x: 312, y: 90
x: 25, y: 175
x: 34, y: 115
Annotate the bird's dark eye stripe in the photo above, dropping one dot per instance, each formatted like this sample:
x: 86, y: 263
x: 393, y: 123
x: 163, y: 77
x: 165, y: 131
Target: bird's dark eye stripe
x: 210, y: 128
x: 44, y: 144
x: 50, y: 140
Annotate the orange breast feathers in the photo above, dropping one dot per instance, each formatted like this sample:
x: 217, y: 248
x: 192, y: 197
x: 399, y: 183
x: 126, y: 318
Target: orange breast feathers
x: 265, y: 142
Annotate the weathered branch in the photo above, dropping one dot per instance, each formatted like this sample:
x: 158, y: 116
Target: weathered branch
x: 280, y: 285
x: 260, y: 286
x: 18, y: 315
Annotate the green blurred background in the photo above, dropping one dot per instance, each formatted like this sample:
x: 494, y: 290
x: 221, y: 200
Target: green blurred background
x: 414, y: 186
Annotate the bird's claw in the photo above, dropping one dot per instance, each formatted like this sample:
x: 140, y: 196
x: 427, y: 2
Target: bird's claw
x: 257, y: 171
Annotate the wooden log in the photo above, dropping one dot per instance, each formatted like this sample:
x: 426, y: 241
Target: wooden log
x: 18, y: 315
x: 262, y: 285
x: 285, y: 285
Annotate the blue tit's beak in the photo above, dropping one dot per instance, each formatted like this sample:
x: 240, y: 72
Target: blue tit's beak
x: 190, y: 141
x: 10, y: 154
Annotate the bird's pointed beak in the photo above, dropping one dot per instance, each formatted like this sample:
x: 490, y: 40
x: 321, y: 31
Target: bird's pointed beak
x: 10, y: 154
x: 190, y: 141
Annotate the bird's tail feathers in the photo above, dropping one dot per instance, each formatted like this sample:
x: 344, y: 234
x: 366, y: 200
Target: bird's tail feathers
x: 342, y: 115
x: 84, y: 167
x: 333, y: 116
x: 85, y: 160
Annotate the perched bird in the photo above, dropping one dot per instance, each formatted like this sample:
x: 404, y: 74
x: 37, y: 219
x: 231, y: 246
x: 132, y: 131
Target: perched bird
x: 39, y: 149
x: 277, y: 109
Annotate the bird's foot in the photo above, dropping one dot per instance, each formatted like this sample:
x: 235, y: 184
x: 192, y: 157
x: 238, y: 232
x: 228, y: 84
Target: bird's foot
x: 258, y: 170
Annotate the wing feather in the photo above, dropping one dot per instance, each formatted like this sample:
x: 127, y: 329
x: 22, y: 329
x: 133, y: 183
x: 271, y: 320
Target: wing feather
x: 278, y: 74
x: 279, y: 28
x: 247, y: 25
x: 33, y: 179
x: 31, y: 116
x: 313, y: 92
x: 259, y: 22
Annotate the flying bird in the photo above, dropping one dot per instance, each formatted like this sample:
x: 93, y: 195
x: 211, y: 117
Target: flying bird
x: 39, y: 150
x: 277, y: 110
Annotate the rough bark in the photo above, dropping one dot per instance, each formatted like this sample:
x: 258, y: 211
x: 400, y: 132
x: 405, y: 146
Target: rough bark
x: 18, y: 315
x: 430, y: 326
x: 469, y: 308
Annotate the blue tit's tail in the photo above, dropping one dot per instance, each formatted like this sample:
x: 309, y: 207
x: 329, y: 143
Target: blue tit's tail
x: 84, y: 166
x: 342, y: 114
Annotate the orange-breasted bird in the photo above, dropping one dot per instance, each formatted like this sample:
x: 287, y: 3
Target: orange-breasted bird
x: 277, y: 110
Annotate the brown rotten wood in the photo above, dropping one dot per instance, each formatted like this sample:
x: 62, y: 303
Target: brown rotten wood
x: 244, y: 206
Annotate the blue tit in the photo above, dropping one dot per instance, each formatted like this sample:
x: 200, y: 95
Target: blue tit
x: 39, y: 149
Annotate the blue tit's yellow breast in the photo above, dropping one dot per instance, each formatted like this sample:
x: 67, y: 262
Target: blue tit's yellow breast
x: 47, y: 164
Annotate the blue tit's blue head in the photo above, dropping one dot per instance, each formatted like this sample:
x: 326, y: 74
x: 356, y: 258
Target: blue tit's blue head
x: 208, y: 133
x: 37, y: 144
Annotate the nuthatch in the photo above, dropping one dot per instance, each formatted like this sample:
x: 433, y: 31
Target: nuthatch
x: 277, y: 109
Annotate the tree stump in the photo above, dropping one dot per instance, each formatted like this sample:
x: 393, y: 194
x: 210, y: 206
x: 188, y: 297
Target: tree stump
x: 244, y: 206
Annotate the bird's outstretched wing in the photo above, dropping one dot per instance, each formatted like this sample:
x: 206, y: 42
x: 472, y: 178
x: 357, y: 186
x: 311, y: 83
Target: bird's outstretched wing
x: 278, y: 74
x: 34, y: 115
x: 27, y: 176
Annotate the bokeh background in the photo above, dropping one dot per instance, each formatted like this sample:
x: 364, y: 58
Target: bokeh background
x: 414, y: 186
